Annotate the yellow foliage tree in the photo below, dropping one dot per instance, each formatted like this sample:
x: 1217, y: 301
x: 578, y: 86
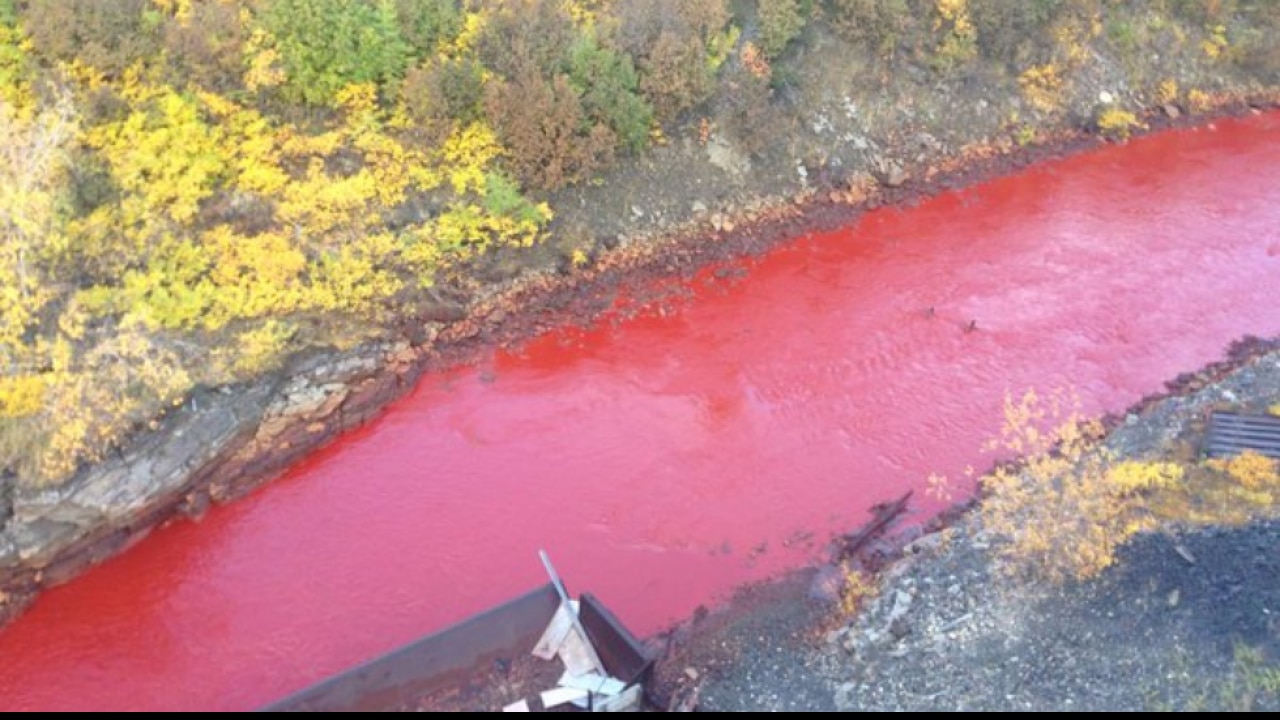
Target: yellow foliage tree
x: 33, y: 177
x: 1066, y: 506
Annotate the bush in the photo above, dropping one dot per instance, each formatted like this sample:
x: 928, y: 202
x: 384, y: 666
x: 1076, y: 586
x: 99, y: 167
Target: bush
x: 442, y: 94
x: 526, y: 35
x: 1068, y: 506
x: 550, y: 139
x: 748, y: 113
x: 109, y: 36
x: 425, y: 24
x: 781, y: 21
x: 878, y: 24
x: 326, y: 45
x: 208, y: 47
x: 671, y: 41
x: 1010, y: 31
x: 608, y: 83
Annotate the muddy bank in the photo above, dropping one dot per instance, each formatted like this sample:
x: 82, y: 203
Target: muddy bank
x: 1186, y: 619
x: 222, y: 443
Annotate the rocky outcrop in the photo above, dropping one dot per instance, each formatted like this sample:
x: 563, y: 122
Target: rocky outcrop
x: 217, y: 447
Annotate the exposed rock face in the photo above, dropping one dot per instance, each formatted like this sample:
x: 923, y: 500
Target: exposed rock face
x: 217, y: 447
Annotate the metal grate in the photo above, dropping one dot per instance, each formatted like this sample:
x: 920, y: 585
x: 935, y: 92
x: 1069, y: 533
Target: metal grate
x: 1233, y: 433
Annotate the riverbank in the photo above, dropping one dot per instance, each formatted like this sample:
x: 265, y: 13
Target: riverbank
x: 1185, y: 620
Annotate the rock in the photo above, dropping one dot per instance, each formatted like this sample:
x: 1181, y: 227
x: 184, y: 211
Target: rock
x: 1106, y: 98
x: 717, y: 221
x: 1174, y: 598
x: 925, y: 544
x: 1171, y: 110
x: 895, y: 176
x: 698, y: 207
x: 844, y: 695
x: 637, y: 212
x: 901, y: 606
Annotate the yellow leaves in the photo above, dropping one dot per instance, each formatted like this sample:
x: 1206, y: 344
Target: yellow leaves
x: 473, y: 22
x: 1199, y: 101
x: 15, y: 68
x: 1251, y: 470
x: 1131, y: 476
x: 1117, y: 123
x: 253, y: 276
x: 33, y: 184
x: 1042, y: 87
x: 1067, y: 506
x: 163, y: 156
x: 858, y: 588
x: 467, y: 155
x: 91, y: 407
x: 358, y: 275
x: 358, y: 101
x: 260, y: 349
x: 252, y: 145
x: 21, y: 395
x: 1216, y: 43
x: 1167, y: 92
x: 264, y: 69
x: 179, y: 9
x: 321, y: 203
x: 960, y: 38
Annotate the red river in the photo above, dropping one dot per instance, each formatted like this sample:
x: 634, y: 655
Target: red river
x: 664, y: 461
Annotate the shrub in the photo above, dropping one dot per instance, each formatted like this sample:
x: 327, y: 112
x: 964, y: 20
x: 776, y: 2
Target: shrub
x: 109, y: 36
x: 1010, y: 31
x: 443, y: 94
x: 1067, y: 506
x: 748, y: 113
x: 541, y: 122
x: 781, y: 21
x: 608, y: 84
x: 426, y: 24
x: 958, y: 42
x: 1117, y: 124
x: 672, y: 42
x: 877, y: 24
x: 326, y: 45
x: 208, y: 47
x: 526, y: 35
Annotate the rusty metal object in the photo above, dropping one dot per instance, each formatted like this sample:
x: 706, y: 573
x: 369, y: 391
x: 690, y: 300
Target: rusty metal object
x: 433, y: 663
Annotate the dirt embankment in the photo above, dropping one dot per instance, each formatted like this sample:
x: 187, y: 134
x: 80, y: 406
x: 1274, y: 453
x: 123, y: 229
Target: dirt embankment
x: 849, y: 138
x: 1187, y: 619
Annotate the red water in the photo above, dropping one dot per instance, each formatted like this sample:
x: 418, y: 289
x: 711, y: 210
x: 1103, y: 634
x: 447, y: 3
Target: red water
x: 664, y: 461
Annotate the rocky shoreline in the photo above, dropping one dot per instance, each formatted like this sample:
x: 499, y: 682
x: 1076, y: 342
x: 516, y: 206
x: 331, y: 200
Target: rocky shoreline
x: 1187, y: 619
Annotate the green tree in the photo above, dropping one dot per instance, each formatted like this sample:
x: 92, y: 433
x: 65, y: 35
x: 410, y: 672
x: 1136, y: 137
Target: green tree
x: 608, y: 84
x: 781, y: 22
x: 326, y: 45
x: 425, y: 24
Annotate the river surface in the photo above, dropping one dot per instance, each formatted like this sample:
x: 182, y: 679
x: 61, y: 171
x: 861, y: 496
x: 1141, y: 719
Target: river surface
x: 664, y: 460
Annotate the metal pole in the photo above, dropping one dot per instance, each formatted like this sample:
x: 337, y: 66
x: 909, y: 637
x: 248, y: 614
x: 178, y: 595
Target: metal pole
x: 568, y: 608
